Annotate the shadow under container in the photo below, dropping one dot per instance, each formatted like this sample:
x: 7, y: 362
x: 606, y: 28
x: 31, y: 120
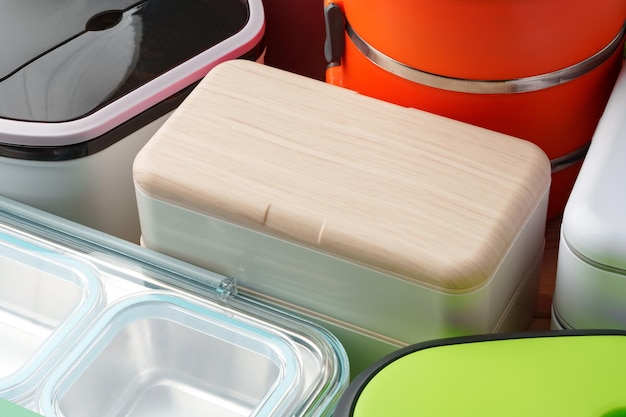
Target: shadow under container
x: 384, y: 224
x: 93, y: 325
x: 540, y: 70
x: 84, y: 84
x: 590, y: 288
x: 575, y: 374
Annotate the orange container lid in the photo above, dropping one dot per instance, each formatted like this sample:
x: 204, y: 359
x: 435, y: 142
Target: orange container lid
x: 487, y: 39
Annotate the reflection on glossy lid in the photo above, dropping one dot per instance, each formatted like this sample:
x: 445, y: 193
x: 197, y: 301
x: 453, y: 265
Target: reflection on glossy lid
x: 30, y: 28
x: 64, y: 59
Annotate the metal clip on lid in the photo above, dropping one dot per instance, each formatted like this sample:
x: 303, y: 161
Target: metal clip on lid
x: 227, y: 288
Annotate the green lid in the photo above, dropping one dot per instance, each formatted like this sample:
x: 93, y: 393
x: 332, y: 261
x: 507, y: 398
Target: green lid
x: 8, y: 409
x: 572, y: 374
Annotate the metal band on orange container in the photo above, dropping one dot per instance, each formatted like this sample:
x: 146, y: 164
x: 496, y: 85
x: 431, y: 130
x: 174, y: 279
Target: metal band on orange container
x: 569, y: 159
x: 518, y: 85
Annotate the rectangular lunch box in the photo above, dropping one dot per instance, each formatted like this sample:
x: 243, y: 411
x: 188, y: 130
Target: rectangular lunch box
x: 385, y: 224
x: 93, y: 325
x: 590, y: 290
x: 85, y: 83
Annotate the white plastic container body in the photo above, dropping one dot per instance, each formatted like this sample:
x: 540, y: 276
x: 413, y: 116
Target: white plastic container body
x: 96, y: 190
x: 555, y: 322
x: 405, y: 313
x: 590, y: 287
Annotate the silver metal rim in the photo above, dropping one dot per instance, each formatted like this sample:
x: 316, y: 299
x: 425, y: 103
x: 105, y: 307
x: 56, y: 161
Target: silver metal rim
x: 569, y: 159
x: 518, y: 85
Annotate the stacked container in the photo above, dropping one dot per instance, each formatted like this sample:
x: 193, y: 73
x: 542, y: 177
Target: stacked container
x: 385, y: 224
x: 590, y: 289
x: 94, y: 326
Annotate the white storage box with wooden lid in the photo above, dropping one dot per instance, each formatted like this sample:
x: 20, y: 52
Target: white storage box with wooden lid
x: 388, y: 225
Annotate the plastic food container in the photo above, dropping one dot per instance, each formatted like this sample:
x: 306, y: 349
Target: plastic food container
x: 93, y: 325
x: 590, y: 289
x: 576, y: 374
x: 388, y: 225
x: 85, y: 83
x: 44, y: 299
x: 540, y: 70
x: 161, y: 354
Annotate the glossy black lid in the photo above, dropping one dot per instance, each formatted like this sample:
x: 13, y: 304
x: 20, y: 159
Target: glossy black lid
x: 64, y: 59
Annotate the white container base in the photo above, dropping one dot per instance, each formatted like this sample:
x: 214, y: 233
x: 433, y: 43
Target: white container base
x: 96, y: 191
x: 407, y: 313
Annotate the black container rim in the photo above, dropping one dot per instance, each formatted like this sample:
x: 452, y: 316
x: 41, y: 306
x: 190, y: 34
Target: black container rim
x: 347, y: 402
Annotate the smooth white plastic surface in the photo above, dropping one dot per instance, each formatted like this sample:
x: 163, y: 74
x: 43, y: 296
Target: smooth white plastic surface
x: 555, y: 321
x: 594, y: 221
x: 96, y: 190
x: 590, y: 289
x: 405, y: 313
x: 588, y: 295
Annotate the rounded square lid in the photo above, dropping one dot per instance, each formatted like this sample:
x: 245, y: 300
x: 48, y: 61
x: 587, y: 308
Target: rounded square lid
x: 420, y: 196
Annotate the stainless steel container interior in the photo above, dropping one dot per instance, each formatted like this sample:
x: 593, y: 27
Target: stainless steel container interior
x: 154, y: 356
x: 92, y: 325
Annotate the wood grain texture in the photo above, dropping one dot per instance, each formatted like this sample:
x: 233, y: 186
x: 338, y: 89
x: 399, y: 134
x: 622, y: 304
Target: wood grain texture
x: 424, y: 197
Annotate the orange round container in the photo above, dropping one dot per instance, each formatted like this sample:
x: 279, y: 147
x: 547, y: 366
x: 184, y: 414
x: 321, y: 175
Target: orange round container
x: 540, y: 70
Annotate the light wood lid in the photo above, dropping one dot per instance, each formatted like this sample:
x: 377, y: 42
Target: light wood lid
x: 423, y: 197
